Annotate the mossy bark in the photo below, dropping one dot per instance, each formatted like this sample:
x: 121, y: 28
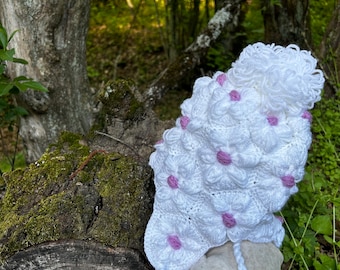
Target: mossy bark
x: 72, y: 192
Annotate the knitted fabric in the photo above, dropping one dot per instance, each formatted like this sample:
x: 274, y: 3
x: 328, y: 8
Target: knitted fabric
x: 234, y: 157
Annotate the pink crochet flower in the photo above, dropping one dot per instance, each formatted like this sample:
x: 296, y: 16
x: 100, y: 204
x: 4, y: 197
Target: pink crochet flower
x: 173, y: 238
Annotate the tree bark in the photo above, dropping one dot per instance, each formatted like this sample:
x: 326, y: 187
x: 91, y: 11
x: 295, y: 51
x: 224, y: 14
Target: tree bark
x: 76, y: 254
x: 329, y: 53
x: 181, y: 71
x: 172, y: 20
x: 286, y: 22
x: 51, y: 37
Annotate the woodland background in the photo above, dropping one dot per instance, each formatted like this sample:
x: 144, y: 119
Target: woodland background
x: 136, y: 40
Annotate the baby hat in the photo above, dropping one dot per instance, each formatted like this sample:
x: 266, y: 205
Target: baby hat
x: 234, y: 157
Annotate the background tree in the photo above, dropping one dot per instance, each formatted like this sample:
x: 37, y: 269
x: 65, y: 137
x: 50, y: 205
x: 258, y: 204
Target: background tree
x: 192, y: 58
x: 183, y: 21
x: 286, y: 21
x: 329, y: 53
x: 51, y: 37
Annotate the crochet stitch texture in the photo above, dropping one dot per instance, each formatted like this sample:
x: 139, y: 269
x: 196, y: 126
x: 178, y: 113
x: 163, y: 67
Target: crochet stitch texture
x: 234, y: 157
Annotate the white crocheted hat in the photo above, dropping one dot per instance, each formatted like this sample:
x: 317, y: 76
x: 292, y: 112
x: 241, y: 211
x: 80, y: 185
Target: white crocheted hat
x: 234, y: 156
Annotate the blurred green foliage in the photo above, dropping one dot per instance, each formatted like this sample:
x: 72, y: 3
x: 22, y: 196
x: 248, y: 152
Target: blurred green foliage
x: 320, y: 15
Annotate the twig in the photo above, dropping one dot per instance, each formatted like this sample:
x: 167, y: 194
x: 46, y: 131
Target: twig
x: 87, y: 160
x: 117, y: 140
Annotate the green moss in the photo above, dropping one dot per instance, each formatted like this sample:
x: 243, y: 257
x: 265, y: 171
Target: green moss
x: 34, y: 197
x: 105, y: 199
x: 120, y: 219
x: 43, y: 222
x: 119, y: 99
x: 2, y: 182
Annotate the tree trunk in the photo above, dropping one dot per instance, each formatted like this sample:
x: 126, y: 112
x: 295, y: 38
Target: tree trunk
x: 329, y: 53
x: 194, y: 18
x: 51, y: 37
x: 172, y: 20
x: 182, y: 70
x: 286, y: 22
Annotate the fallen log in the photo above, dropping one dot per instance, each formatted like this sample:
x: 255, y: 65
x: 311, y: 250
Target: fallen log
x: 75, y: 254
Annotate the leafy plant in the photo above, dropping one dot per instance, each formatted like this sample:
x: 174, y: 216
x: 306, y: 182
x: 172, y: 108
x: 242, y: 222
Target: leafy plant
x: 10, y: 112
x: 312, y: 216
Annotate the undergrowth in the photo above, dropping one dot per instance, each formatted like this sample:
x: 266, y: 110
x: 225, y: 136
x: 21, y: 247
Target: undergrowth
x: 312, y: 216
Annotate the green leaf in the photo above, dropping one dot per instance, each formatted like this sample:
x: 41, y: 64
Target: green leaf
x: 327, y: 263
x: 322, y: 224
x: 329, y: 239
x: 20, y: 111
x: 11, y: 36
x: 20, y: 61
x: 7, y: 55
x: 3, y: 37
x: 5, y: 87
x: 299, y: 250
x: 20, y: 86
x: 35, y: 86
x: 21, y: 78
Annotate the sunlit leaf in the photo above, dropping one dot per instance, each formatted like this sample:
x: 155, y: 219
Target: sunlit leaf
x: 322, y: 224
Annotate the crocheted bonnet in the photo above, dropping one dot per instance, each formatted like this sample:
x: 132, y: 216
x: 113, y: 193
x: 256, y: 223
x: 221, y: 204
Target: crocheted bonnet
x: 234, y: 157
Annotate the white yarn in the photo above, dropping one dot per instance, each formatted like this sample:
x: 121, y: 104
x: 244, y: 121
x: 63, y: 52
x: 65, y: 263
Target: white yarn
x: 238, y: 256
x: 234, y: 156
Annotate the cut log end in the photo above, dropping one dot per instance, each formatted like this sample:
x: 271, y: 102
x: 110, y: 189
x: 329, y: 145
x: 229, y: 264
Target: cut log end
x: 75, y: 254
